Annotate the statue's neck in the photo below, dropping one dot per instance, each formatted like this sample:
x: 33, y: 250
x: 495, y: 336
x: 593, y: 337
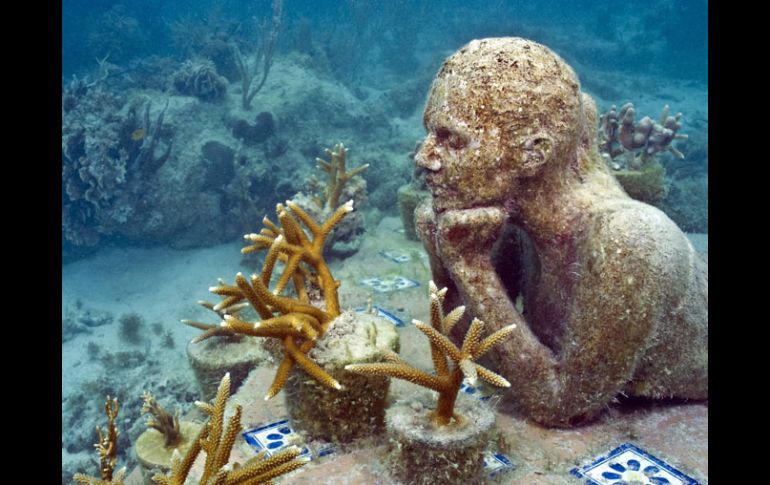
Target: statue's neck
x: 555, y: 206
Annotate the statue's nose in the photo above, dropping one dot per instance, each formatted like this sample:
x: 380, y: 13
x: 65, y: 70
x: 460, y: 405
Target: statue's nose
x: 426, y: 156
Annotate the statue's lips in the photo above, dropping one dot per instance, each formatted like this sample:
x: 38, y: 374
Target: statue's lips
x: 446, y: 199
x: 447, y: 205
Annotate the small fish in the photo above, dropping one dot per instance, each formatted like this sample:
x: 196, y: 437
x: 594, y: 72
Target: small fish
x: 138, y: 134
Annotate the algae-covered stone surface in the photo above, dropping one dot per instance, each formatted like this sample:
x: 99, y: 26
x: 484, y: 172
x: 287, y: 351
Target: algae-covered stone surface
x: 675, y: 432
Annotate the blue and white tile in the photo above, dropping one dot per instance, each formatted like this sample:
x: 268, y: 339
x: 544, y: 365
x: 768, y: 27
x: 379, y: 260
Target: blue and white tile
x: 273, y: 437
x: 630, y: 464
x: 496, y: 464
x: 326, y: 449
x: 482, y: 393
x: 381, y: 312
x: 396, y: 256
x: 389, y: 283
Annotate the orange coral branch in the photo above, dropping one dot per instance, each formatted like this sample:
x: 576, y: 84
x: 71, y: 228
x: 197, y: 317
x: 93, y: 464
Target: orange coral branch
x: 293, y: 319
x: 447, y: 380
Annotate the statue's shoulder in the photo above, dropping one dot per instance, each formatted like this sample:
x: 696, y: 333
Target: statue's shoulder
x: 641, y: 238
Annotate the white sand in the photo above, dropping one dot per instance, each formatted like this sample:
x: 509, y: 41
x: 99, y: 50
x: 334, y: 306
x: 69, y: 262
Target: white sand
x: 161, y: 285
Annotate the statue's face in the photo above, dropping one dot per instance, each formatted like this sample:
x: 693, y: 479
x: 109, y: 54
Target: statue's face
x: 464, y: 160
x: 498, y: 112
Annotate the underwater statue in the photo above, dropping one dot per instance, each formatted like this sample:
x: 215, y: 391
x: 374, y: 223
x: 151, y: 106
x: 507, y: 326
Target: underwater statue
x: 615, y: 298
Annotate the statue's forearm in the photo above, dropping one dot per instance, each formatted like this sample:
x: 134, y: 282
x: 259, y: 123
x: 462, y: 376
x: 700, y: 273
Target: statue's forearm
x: 528, y: 364
x: 553, y: 389
x: 463, y: 242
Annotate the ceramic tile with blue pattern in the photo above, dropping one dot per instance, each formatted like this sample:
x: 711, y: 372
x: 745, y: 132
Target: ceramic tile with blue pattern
x: 381, y: 312
x: 273, y: 437
x: 629, y: 464
x: 481, y: 393
x: 326, y: 449
x: 396, y: 256
x: 497, y: 463
x: 389, y: 283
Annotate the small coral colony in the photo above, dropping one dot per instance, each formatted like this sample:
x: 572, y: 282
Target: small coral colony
x: 298, y: 312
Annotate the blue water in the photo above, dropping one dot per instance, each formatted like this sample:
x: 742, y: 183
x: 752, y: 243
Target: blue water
x: 201, y: 171
x: 669, y: 37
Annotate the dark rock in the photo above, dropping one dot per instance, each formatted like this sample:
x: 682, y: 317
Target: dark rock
x: 265, y: 125
x: 276, y: 147
x: 95, y: 318
x: 262, y: 129
x: 220, y: 53
x: 71, y: 328
x: 243, y: 130
x: 219, y: 160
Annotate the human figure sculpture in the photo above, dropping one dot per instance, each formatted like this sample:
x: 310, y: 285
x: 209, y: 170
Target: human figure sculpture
x: 615, y: 298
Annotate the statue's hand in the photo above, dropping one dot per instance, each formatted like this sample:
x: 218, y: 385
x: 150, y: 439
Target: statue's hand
x: 468, y: 232
x: 465, y: 239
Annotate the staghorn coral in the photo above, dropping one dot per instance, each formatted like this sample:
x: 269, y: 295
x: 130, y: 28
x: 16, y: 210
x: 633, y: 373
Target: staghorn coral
x: 217, y: 440
x: 324, y: 198
x: 211, y: 330
x: 211, y: 358
x: 161, y: 420
x: 448, y: 378
x: 639, y: 171
x: 108, y: 451
x: 164, y: 436
x: 358, y: 409
x: 294, y: 320
x: 641, y: 141
x: 338, y: 176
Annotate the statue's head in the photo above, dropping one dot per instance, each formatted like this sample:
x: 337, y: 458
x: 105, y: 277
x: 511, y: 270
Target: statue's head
x: 500, y: 110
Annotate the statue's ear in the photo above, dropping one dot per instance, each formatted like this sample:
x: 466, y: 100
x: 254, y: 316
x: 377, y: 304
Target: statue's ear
x: 590, y: 122
x: 538, y: 149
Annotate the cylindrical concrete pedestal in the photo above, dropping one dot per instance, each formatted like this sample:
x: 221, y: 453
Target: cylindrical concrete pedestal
x: 358, y: 410
x: 408, y: 198
x: 216, y: 356
x: 154, y: 457
x: 427, y: 454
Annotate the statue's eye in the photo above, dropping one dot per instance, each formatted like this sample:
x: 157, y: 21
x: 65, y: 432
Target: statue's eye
x: 442, y: 135
x: 447, y: 138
